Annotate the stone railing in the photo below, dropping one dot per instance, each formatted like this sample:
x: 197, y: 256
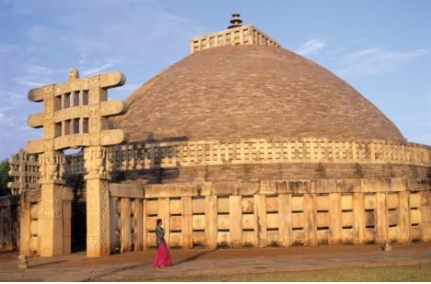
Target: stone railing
x: 193, y: 153
x: 243, y: 35
x: 126, y: 205
x: 139, y: 156
x: 74, y: 163
x: 270, y: 213
x: 24, y: 170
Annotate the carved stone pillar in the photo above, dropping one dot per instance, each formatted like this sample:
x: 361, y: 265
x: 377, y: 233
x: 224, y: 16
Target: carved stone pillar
x: 25, y: 234
x: 98, y: 224
x: 51, y: 213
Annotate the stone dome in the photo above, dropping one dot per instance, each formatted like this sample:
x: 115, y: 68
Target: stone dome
x: 250, y: 92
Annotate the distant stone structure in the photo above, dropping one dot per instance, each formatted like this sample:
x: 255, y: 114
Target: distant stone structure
x: 240, y: 144
x: 236, y: 34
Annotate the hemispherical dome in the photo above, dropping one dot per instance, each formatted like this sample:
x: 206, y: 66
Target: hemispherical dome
x: 246, y: 92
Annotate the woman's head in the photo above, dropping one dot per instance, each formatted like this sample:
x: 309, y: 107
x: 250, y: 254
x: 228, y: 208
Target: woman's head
x: 159, y: 221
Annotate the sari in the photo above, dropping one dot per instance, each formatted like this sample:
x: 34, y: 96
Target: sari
x: 162, y: 257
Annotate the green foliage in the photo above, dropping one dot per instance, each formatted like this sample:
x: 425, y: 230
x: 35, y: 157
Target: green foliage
x: 4, y: 177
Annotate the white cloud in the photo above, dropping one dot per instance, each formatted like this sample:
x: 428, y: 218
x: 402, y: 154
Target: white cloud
x: 311, y: 47
x: 10, y: 100
x: 9, y: 48
x: 374, y: 61
x: 34, y: 75
x: 96, y: 70
x: 39, y: 70
x: 7, y: 120
x: 31, y: 81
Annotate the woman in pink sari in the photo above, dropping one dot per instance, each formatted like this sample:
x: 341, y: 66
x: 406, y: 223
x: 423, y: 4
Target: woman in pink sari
x: 162, y: 258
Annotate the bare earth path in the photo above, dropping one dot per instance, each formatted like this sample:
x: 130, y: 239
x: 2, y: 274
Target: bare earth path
x: 133, y: 265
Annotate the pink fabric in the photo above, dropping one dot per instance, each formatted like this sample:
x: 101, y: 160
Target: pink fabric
x: 162, y: 258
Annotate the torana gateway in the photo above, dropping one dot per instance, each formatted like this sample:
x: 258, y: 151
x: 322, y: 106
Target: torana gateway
x: 240, y: 144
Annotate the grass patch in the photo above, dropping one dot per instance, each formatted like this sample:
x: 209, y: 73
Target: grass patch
x: 415, y: 273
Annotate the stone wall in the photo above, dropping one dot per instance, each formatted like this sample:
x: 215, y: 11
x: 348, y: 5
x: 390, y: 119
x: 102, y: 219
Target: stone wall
x: 272, y: 213
x: 33, y: 229
x: 154, y: 155
x: 9, y: 223
x: 257, y: 193
x: 30, y: 225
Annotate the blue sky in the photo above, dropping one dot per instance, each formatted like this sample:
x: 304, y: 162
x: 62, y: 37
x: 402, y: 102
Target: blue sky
x: 381, y: 48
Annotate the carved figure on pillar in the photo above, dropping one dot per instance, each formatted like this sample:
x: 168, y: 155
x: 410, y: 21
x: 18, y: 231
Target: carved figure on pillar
x: 101, y: 161
x: 48, y: 166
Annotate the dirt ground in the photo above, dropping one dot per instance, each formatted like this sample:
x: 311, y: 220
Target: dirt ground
x: 77, y: 267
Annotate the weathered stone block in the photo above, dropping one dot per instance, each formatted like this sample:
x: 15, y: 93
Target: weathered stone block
x: 248, y: 221
x: 175, y: 239
x: 398, y: 184
x: 247, y: 205
x: 298, y: 237
x: 347, y: 236
x: 198, y: 222
x: 223, y: 222
x: 415, y: 200
x: 297, y: 203
x: 301, y: 187
x: 415, y: 216
x: 225, y: 188
x: 272, y: 220
x: 126, y: 190
x: 347, y: 202
x: 322, y: 202
x: 271, y: 203
x: 370, y: 201
x: 273, y: 238
x: 375, y: 185
x: 298, y: 220
x: 249, y: 238
x: 151, y: 223
x: 152, y: 207
x: 198, y: 238
x: 322, y: 236
x: 176, y: 206
x: 347, y: 219
x: 248, y: 188
x: 175, y: 223
x: 198, y: 205
x: 393, y: 200
x: 223, y: 205
x: 322, y: 220
x: 223, y: 238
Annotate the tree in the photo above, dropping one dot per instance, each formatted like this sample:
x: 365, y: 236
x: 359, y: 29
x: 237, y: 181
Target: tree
x: 4, y: 177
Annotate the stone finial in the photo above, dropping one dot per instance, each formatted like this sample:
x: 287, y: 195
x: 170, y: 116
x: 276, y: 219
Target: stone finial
x: 235, y: 22
x: 22, y: 262
x: 387, y: 246
x: 73, y: 74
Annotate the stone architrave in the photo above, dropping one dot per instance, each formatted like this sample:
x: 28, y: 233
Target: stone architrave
x: 75, y: 115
